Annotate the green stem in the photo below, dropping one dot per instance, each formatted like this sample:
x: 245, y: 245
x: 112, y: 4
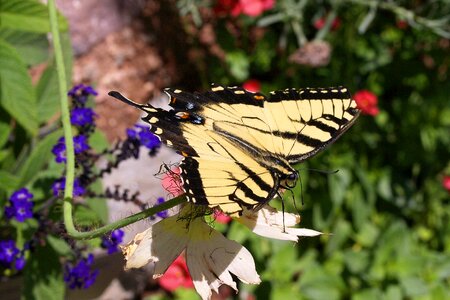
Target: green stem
x: 70, y: 166
x: 65, y: 117
x: 124, y: 222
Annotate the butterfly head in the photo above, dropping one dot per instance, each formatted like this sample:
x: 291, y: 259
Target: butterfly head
x: 289, y: 181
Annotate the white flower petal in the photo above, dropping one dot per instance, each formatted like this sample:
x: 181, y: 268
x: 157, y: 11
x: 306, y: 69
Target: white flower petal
x: 160, y: 244
x: 268, y: 222
x: 211, y: 257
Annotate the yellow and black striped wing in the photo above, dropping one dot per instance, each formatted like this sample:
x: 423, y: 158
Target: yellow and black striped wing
x: 293, y: 124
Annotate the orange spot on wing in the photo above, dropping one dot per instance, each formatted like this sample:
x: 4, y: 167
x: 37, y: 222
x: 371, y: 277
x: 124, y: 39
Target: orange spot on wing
x: 258, y: 97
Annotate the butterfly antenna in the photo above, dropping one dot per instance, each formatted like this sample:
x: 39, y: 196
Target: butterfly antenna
x: 124, y: 99
x: 326, y: 172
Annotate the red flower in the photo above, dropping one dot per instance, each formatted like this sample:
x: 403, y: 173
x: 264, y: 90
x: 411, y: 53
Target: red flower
x: 225, y: 7
x: 171, y: 182
x: 367, y: 102
x: 401, y: 24
x: 446, y: 183
x: 319, y: 23
x: 252, y: 85
x: 252, y: 8
x: 177, y: 275
x: 221, y: 217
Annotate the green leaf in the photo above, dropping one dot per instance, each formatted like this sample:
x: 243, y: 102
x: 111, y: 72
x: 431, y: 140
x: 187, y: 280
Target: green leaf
x: 47, y: 93
x: 32, y: 47
x: 356, y: 261
x: 338, y: 184
x: 59, y: 245
x: 282, y: 267
x: 8, y: 181
x: 393, y: 292
x: 100, y: 208
x: 27, y: 15
x: 38, y: 158
x: 17, y: 94
x: 98, y: 141
x: 5, y: 131
x: 367, y: 294
x: 414, y: 286
x: 43, y: 275
x: 86, y: 217
x: 239, y: 65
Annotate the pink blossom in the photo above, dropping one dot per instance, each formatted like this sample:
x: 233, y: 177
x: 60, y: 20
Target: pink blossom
x: 171, y: 182
x: 221, y: 217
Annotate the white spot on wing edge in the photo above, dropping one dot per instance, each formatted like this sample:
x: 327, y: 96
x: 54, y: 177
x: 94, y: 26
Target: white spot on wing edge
x: 217, y: 88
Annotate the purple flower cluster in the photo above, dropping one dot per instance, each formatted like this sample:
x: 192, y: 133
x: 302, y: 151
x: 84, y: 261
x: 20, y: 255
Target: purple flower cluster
x: 80, y: 144
x: 162, y: 214
x: 112, y: 241
x: 21, y: 207
x: 82, y: 116
x: 60, y: 184
x: 143, y: 134
x: 80, y: 93
x: 80, y: 275
x: 10, y: 254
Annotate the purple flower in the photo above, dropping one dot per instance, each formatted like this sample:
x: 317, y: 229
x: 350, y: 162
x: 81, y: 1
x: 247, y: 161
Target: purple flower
x: 80, y: 144
x: 22, y: 194
x: 162, y: 214
x: 21, y: 207
x: 80, y: 275
x: 148, y: 139
x: 8, y: 251
x: 112, y: 241
x: 59, y: 150
x: 82, y: 116
x: 60, y: 184
x: 20, y: 262
x: 80, y: 92
x: 131, y: 133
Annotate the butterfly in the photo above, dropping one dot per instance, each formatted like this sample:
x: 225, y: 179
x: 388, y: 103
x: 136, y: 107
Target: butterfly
x: 239, y: 147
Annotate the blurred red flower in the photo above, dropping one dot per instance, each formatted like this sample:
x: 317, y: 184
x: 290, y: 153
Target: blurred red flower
x: 252, y: 8
x: 367, y: 102
x: 319, y: 23
x: 226, y: 7
x: 446, y: 183
x: 252, y: 85
x: 221, y: 217
x: 401, y: 24
x: 177, y: 275
x: 171, y: 182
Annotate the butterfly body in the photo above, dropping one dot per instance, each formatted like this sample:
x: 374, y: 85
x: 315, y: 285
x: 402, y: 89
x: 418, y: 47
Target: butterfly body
x: 239, y: 147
